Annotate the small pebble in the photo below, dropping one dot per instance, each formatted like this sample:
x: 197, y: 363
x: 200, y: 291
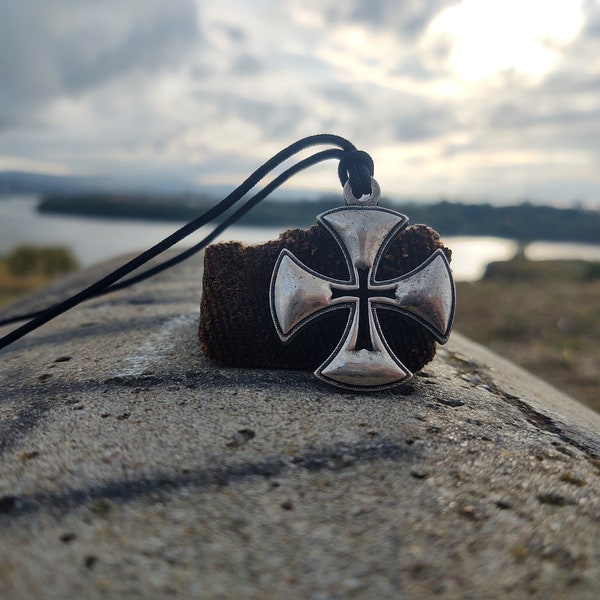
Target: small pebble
x: 419, y: 473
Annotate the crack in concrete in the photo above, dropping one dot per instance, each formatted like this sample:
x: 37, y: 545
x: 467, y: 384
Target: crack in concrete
x: 536, y: 418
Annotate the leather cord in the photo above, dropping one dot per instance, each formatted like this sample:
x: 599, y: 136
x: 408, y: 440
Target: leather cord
x: 355, y: 166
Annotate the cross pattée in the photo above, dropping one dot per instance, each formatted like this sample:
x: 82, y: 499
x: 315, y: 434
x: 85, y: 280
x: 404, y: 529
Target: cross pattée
x: 362, y: 360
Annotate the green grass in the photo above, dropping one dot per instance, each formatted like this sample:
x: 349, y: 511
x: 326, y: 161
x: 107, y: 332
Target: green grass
x: 28, y: 268
x: 544, y: 316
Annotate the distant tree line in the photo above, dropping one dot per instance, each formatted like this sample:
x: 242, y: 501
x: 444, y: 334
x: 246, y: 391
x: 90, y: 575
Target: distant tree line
x: 117, y: 206
x: 524, y: 222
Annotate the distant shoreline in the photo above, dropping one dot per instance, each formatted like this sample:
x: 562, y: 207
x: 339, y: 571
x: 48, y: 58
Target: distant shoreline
x: 524, y: 222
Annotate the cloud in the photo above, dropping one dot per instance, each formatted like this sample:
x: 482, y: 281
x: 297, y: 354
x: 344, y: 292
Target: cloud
x: 246, y: 64
x: 556, y: 115
x: 208, y: 91
x: 407, y: 19
x: 69, y: 48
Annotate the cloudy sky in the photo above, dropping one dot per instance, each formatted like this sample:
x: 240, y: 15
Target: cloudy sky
x: 468, y: 99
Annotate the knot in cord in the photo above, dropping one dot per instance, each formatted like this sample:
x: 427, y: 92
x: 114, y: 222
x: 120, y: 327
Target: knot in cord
x: 357, y: 167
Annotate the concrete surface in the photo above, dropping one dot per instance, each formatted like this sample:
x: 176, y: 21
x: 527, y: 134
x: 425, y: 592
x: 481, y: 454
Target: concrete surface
x: 131, y: 467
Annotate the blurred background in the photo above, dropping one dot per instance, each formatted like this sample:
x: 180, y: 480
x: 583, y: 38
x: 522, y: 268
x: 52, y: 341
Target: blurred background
x: 120, y: 119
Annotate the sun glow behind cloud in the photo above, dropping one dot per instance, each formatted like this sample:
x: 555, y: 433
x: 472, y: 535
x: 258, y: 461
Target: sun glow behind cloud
x: 501, y: 35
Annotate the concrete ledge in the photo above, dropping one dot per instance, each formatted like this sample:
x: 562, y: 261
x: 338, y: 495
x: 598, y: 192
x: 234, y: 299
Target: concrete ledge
x: 132, y: 467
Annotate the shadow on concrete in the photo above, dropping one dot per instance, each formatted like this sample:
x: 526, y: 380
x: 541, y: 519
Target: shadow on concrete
x: 329, y: 458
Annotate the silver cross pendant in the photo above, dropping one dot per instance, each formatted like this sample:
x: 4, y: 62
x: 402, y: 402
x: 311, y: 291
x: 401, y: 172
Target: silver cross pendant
x: 362, y: 360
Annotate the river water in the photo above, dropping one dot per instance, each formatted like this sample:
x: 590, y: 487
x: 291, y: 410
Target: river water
x: 94, y: 240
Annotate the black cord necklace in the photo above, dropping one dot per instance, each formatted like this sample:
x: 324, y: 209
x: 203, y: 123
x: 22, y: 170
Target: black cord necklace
x: 355, y: 167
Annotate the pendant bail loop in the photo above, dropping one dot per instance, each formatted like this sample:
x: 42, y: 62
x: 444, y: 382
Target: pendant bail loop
x: 371, y: 200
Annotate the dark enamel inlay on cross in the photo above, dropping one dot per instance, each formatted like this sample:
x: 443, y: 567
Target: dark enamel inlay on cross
x: 363, y: 294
